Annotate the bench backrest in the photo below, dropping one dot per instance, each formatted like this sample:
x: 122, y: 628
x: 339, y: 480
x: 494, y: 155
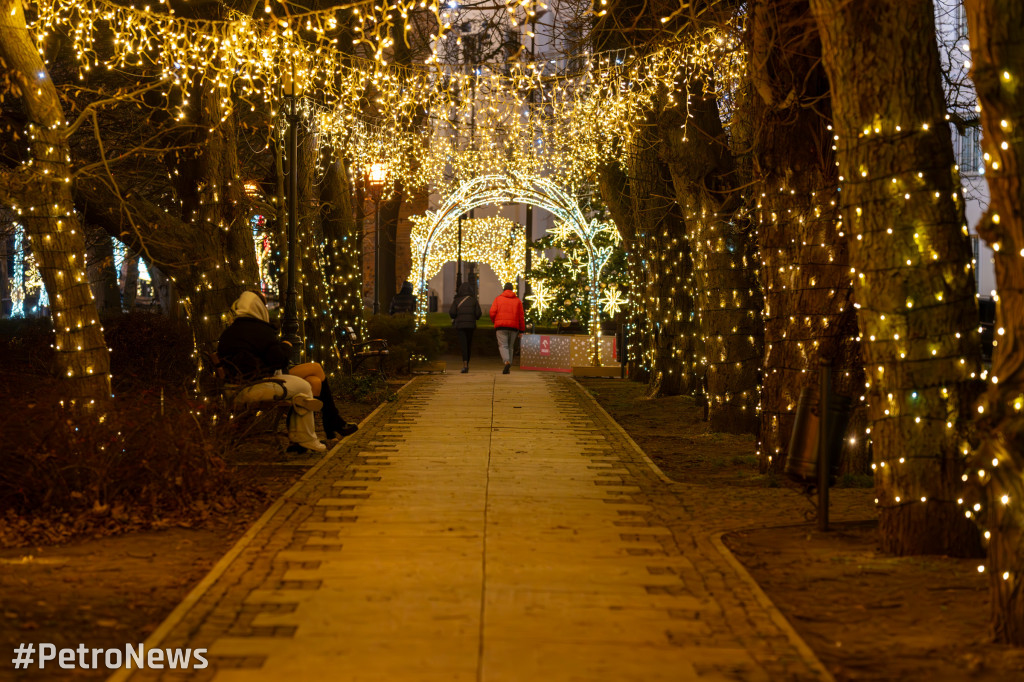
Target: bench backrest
x: 214, y: 365
x: 212, y: 377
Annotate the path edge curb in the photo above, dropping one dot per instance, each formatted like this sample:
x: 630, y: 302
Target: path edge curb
x: 622, y: 432
x: 780, y: 620
x: 806, y: 653
x: 196, y: 593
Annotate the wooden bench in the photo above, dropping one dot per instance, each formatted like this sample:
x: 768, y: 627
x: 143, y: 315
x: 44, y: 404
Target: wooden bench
x: 249, y: 416
x: 360, y: 354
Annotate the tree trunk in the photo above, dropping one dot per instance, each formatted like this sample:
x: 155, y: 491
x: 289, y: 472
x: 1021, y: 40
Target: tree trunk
x: 361, y: 222
x: 279, y: 225
x: 805, y: 276
x: 102, y: 273
x: 129, y: 279
x: 668, y: 347
x: 48, y: 216
x: 342, y: 252
x: 998, y: 58
x: 910, y: 258
x: 727, y: 293
x: 210, y: 183
x: 391, y: 209
x: 613, y: 185
x: 666, y: 350
x: 388, y: 244
x: 317, y: 315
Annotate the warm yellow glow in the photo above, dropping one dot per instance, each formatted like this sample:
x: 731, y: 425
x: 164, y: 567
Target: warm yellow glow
x: 377, y: 175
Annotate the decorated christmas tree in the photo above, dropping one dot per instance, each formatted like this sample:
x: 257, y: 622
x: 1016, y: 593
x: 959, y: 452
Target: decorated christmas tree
x: 561, y: 287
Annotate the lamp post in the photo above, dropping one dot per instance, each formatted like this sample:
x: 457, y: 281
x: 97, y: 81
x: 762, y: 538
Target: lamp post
x: 375, y: 186
x: 290, y: 322
x: 528, y: 264
x: 458, y: 262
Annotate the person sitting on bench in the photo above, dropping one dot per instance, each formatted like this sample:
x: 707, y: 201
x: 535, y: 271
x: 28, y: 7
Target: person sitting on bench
x: 250, y: 350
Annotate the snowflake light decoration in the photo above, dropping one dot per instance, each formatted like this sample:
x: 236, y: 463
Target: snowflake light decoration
x: 613, y: 300
x: 541, y: 296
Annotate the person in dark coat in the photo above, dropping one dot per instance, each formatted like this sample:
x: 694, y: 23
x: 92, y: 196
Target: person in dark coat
x: 250, y: 350
x: 465, y: 311
x: 404, y: 301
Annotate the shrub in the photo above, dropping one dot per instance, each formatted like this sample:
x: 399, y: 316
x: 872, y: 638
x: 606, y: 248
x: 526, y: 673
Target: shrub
x: 27, y: 345
x: 145, y: 463
x: 149, y: 350
x: 404, y: 340
x: 370, y: 389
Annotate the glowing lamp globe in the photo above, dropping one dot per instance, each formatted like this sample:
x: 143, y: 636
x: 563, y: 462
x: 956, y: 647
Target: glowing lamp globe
x: 378, y: 173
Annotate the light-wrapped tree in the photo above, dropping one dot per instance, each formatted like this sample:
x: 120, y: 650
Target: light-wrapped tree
x: 911, y: 259
x: 40, y: 190
x: 996, y: 27
x: 805, y: 272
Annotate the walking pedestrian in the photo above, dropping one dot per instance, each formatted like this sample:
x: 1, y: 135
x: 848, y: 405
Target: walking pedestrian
x: 465, y: 311
x: 404, y: 301
x: 509, y: 322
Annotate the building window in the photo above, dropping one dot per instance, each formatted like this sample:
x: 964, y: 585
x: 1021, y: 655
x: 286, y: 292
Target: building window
x: 970, y: 159
x: 961, y: 21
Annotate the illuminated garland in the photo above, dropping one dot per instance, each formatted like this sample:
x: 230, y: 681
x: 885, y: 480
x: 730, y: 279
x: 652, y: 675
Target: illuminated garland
x: 496, y: 241
x: 265, y: 263
x: 432, y: 124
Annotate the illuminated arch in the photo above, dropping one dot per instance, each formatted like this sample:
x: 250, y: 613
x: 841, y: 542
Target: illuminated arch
x: 517, y: 188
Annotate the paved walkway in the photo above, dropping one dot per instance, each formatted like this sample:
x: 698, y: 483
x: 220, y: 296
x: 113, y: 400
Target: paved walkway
x: 483, y: 527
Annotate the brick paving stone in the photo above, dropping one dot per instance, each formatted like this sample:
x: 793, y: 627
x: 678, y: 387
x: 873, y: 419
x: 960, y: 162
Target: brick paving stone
x: 488, y: 528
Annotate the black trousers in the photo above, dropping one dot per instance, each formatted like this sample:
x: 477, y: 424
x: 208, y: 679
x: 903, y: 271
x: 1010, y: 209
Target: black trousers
x: 333, y: 421
x: 465, y: 342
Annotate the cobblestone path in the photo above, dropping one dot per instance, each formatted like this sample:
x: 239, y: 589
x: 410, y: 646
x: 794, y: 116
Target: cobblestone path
x: 483, y: 527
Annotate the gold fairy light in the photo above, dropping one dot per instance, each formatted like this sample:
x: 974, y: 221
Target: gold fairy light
x: 541, y: 297
x: 560, y: 117
x: 613, y: 300
x: 499, y: 242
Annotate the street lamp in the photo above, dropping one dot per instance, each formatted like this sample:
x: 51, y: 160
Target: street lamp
x: 375, y: 185
x: 292, y: 90
x: 528, y: 264
x: 458, y: 263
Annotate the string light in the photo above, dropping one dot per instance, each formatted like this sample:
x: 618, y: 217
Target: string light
x: 496, y: 241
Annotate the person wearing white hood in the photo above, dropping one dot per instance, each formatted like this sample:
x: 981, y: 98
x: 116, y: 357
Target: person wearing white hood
x: 250, y: 350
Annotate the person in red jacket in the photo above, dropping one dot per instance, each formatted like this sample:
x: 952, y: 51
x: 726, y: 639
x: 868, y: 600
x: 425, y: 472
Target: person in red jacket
x: 509, y: 321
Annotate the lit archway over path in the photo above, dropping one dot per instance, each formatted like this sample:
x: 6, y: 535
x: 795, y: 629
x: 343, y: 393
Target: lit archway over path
x: 515, y: 188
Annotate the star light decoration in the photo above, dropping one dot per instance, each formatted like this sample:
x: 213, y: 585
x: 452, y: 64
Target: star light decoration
x: 613, y: 300
x: 542, y: 296
x: 429, y: 230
